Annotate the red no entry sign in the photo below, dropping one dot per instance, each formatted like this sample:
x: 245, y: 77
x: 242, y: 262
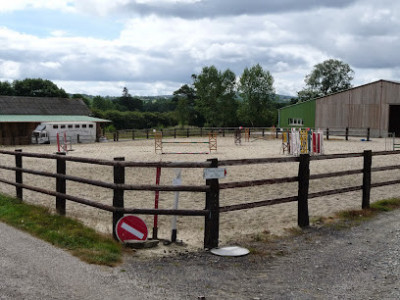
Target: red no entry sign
x: 131, y: 228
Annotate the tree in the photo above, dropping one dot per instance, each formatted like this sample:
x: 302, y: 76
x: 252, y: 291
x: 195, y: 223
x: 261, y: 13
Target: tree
x: 330, y: 76
x: 185, y: 99
x: 37, y: 87
x: 257, y: 91
x: 102, y: 104
x: 128, y: 103
x: 85, y: 99
x: 215, y: 96
x: 6, y: 89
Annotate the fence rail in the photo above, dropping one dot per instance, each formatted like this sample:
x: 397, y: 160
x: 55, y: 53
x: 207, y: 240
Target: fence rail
x: 148, y: 133
x: 254, y: 132
x: 211, y: 188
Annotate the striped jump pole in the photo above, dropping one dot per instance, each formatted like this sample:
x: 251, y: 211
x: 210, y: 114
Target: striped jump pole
x: 212, y: 144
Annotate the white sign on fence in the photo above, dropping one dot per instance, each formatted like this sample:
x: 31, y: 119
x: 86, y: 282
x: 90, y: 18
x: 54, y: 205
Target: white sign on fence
x: 214, y: 173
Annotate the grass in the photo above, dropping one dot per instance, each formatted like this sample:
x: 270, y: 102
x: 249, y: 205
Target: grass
x: 82, y: 242
x: 348, y: 218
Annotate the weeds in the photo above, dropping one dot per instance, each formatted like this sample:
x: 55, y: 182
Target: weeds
x: 348, y: 218
x: 83, y: 242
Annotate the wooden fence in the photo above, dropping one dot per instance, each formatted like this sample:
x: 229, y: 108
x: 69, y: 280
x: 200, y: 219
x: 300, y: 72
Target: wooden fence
x: 211, y: 188
x: 137, y: 134
x: 270, y: 132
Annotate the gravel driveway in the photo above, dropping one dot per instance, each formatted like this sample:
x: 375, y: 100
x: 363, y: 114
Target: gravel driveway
x: 358, y: 263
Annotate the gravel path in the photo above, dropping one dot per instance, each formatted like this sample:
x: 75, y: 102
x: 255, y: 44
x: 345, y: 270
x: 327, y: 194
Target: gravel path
x: 358, y: 263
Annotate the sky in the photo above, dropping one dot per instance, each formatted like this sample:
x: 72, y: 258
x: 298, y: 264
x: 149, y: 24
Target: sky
x: 152, y: 47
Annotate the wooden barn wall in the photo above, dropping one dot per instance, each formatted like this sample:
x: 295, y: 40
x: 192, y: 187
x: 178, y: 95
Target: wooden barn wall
x: 390, y: 96
x: 332, y: 111
x: 16, y: 133
x: 362, y: 107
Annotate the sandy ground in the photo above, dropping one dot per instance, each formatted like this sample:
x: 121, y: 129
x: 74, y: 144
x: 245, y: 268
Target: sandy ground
x: 234, y: 226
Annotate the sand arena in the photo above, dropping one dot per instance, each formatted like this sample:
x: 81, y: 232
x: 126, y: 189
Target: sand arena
x: 233, y: 225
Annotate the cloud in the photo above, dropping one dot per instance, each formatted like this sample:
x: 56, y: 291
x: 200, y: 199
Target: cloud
x: 155, y: 46
x: 218, y: 8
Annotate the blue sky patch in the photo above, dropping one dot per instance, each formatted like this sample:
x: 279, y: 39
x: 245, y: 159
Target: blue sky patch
x: 42, y: 23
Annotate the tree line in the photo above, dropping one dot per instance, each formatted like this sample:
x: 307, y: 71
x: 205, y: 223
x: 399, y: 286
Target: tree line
x: 215, y: 98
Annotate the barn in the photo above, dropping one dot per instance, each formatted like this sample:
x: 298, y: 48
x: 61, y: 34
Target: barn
x: 19, y: 116
x: 375, y: 105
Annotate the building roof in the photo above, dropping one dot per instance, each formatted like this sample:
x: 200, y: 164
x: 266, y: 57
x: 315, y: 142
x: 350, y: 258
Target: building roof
x: 47, y: 118
x: 15, y: 105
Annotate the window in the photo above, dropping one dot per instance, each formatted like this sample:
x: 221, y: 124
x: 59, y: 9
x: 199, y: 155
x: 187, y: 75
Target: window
x: 55, y: 126
x: 69, y: 126
x: 90, y: 125
x: 62, y: 126
x: 77, y: 126
x: 295, y: 122
x: 83, y: 125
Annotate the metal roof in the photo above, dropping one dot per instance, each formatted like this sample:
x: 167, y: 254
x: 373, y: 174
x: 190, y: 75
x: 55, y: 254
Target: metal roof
x: 47, y: 118
x: 16, y: 105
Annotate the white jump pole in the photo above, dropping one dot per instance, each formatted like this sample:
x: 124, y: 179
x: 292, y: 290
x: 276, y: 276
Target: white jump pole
x: 177, y: 181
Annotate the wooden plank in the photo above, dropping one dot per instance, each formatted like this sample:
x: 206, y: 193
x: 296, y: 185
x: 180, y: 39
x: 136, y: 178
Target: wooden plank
x: 61, y: 185
x: 118, y: 198
x: 18, y: 173
x: 250, y: 183
x: 133, y: 187
x: 211, y: 226
x: 335, y: 191
x: 257, y: 204
x: 302, y: 196
x: 366, y: 179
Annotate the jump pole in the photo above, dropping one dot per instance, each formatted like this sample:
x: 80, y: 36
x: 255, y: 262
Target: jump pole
x: 58, y: 142
x: 212, y: 144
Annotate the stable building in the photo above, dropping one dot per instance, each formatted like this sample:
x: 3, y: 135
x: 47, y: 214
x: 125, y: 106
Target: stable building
x: 375, y: 105
x: 20, y: 116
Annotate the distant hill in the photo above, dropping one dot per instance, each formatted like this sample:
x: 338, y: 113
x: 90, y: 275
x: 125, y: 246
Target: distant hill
x: 284, y: 98
x: 281, y: 98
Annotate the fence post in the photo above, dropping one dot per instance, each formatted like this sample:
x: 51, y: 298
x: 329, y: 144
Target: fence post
x: 347, y: 133
x: 133, y: 134
x: 368, y: 133
x: 118, y: 198
x: 302, y: 197
x: 174, y: 133
x: 327, y: 134
x: 147, y: 133
x: 201, y: 131
x: 188, y: 133
x: 223, y: 132
x: 60, y: 185
x: 276, y: 132
x: 263, y: 132
x: 366, y: 192
x: 18, y: 174
x: 211, y: 228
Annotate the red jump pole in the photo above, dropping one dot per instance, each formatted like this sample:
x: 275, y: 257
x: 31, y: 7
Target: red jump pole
x: 157, y: 195
x: 58, y: 142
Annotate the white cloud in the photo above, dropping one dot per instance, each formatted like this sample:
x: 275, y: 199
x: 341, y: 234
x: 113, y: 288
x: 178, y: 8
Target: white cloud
x: 9, y: 69
x: 162, y: 43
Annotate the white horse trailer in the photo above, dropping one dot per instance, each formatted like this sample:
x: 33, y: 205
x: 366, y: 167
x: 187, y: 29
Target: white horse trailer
x: 75, y: 132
